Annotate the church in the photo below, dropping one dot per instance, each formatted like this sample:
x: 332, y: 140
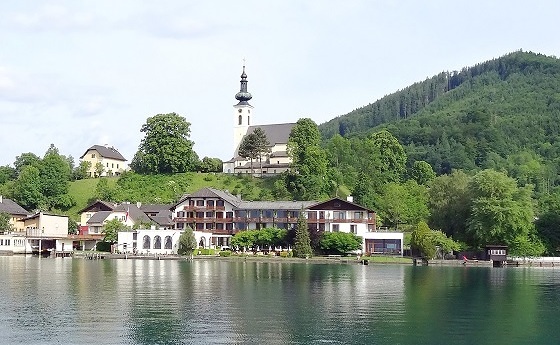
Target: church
x: 277, y: 160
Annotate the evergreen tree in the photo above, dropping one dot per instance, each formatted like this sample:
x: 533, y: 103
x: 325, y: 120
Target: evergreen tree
x: 302, y: 242
x: 187, y: 242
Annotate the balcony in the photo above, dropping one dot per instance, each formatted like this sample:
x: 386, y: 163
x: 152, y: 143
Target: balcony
x: 204, y: 207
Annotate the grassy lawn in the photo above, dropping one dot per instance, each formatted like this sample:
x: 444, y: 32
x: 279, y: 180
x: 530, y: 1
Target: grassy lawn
x: 388, y: 259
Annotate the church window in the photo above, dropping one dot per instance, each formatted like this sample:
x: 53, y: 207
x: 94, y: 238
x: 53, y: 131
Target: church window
x: 248, y: 122
x: 240, y: 119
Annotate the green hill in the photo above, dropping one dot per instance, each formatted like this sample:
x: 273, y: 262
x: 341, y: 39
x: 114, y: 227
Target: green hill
x: 484, y: 116
x: 160, y: 189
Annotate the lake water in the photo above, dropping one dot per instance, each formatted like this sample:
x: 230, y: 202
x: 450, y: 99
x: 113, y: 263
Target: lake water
x: 77, y: 301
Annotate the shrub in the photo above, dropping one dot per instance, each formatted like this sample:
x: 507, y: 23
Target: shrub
x: 225, y: 253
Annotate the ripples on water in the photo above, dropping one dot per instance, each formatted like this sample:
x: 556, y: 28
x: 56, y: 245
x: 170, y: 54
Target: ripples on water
x: 72, y: 301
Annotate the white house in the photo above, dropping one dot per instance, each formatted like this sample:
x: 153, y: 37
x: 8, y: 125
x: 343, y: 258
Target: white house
x: 155, y: 242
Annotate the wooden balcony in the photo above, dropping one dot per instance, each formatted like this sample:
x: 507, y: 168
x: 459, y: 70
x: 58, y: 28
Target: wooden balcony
x: 203, y: 208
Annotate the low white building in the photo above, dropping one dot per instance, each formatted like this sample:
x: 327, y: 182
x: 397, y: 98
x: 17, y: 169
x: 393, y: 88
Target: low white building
x: 150, y: 241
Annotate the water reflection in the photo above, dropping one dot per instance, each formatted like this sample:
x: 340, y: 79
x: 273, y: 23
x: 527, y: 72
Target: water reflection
x: 218, y: 302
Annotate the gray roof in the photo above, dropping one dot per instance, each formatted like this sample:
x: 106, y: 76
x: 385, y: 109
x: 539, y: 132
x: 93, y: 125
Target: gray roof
x: 99, y: 217
x: 151, y: 208
x: 208, y: 192
x: 134, y: 212
x: 106, y: 152
x: 275, y: 205
x: 163, y: 220
x: 100, y: 204
x: 276, y: 133
x: 11, y: 207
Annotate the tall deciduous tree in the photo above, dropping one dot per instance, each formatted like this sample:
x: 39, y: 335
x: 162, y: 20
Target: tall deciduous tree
x: 302, y: 242
x: 55, y: 173
x: 26, y: 159
x: 501, y: 213
x: 390, y: 158
x: 27, y: 189
x: 422, y: 172
x: 166, y: 147
x: 449, y: 203
x: 307, y: 177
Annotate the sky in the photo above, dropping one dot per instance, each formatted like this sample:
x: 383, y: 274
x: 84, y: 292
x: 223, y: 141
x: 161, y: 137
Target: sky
x: 80, y: 73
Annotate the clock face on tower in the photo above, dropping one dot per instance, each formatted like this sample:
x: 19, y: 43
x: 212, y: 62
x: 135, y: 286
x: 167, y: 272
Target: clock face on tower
x: 240, y: 110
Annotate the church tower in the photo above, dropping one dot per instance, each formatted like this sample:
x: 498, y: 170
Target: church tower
x: 242, y: 112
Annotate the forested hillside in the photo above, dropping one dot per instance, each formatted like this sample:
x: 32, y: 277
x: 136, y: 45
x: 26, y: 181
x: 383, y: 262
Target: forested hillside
x: 498, y: 114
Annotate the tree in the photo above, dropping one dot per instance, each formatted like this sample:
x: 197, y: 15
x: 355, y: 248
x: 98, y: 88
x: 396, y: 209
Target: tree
x: 5, y: 225
x: 307, y: 177
x: 27, y: 189
x: 165, y: 148
x: 390, y: 159
x: 422, y: 172
x: 99, y: 169
x: 248, y: 148
x: 262, y: 145
x: 72, y: 226
x: 208, y: 164
x: 7, y: 173
x: 339, y: 242
x: 404, y: 203
x: 26, y: 159
x: 81, y: 171
x: 103, y: 191
x: 421, y: 239
x: 54, y: 174
x: 187, y: 242
x: 111, y: 230
x: 449, y: 204
x: 501, y: 213
x: 302, y: 242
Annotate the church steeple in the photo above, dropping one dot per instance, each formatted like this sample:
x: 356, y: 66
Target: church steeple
x: 243, y: 96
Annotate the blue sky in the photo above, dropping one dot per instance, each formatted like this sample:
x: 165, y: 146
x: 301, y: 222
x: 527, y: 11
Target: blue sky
x: 79, y: 73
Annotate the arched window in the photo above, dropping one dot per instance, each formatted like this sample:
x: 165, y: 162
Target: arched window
x: 248, y: 121
x: 146, y: 242
x: 240, y: 120
x: 168, y: 243
x: 157, y: 242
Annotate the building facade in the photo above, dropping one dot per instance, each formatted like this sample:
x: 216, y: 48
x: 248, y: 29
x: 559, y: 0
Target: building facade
x: 105, y: 161
x: 218, y: 215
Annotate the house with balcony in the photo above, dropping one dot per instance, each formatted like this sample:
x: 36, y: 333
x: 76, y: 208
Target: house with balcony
x: 218, y: 215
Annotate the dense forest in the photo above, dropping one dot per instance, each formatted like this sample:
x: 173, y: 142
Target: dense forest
x: 498, y: 114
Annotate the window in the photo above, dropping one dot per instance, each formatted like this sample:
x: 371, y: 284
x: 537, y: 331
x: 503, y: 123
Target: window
x: 335, y: 228
x: 200, y: 203
x: 219, y: 226
x: 93, y: 155
x: 353, y: 228
x: 157, y: 242
x: 146, y: 242
x: 181, y: 214
x: 248, y: 122
x: 210, y: 214
x: 107, y: 165
x: 358, y: 215
x: 240, y: 119
x: 112, y: 165
x: 168, y: 243
x: 200, y: 215
x: 117, y: 165
x: 135, y: 236
x: 208, y: 226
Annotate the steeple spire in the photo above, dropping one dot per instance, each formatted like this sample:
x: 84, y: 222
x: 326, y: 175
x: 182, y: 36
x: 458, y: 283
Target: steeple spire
x: 243, y: 96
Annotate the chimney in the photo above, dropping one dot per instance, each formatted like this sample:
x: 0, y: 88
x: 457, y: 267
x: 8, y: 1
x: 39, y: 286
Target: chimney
x: 350, y: 198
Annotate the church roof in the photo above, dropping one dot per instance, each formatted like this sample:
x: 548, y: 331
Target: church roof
x: 275, y: 133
